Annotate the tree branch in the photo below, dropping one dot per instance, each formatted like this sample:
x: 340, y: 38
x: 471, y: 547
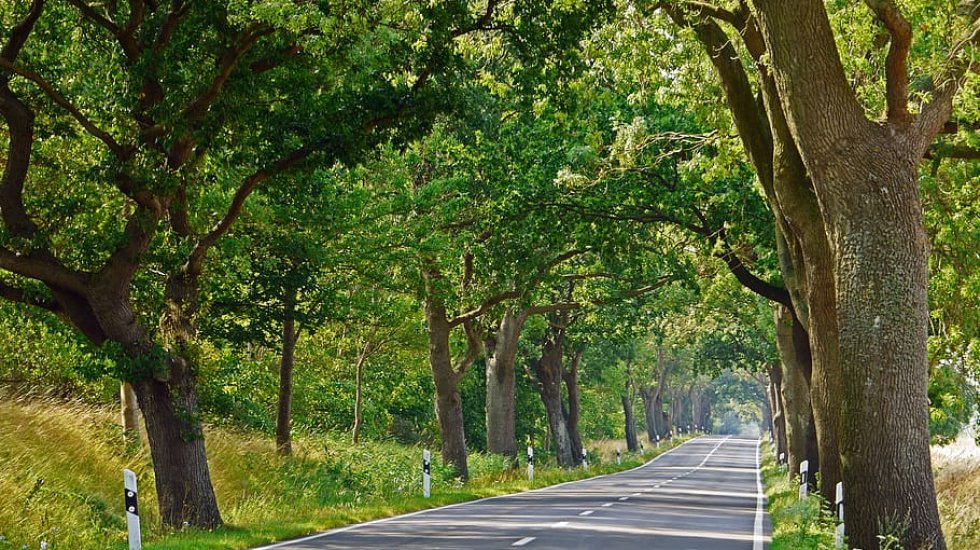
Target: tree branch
x: 474, y: 346
x: 896, y: 69
x: 15, y: 294
x: 227, y: 63
x: 60, y: 100
x: 574, y: 305
x: 936, y: 112
x: 196, y: 259
x: 20, y: 32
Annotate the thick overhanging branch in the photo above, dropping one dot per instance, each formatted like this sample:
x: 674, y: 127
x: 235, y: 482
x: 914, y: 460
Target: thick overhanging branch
x: 896, y: 64
x: 42, y: 266
x: 16, y: 294
x: 486, y: 306
x: 946, y: 151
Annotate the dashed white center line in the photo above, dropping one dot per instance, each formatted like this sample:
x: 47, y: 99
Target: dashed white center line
x: 607, y: 505
x: 586, y: 513
x: 636, y: 495
x: 523, y: 541
x: 560, y: 524
x: 624, y: 498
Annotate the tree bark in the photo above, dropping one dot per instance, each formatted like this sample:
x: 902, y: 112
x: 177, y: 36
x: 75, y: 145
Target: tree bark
x: 284, y: 440
x: 570, y: 377
x: 130, y: 412
x: 798, y: 414
x: 501, y: 403
x: 632, y: 443
x: 176, y: 438
x: 776, y: 404
x: 548, y: 382
x: 449, y: 403
x: 865, y: 176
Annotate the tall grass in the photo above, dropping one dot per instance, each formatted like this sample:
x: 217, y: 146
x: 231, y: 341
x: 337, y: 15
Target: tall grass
x: 796, y: 524
x: 957, y: 475
x: 61, y: 482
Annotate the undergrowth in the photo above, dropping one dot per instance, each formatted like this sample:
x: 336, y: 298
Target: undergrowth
x: 796, y: 524
x: 61, y: 482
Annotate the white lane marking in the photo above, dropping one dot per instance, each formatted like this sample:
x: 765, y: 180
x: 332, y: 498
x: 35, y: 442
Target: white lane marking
x: 346, y: 528
x: 624, y: 498
x: 586, y: 513
x: 647, y: 490
x: 607, y: 505
x: 523, y: 541
x: 637, y: 495
x: 757, y: 530
x: 560, y: 524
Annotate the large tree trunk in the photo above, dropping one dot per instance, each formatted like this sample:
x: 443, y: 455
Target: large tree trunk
x: 805, y: 257
x: 176, y: 438
x: 501, y: 352
x: 570, y: 376
x: 797, y: 411
x: 632, y: 444
x: 865, y: 177
x: 130, y: 412
x: 284, y: 416
x: 548, y: 382
x: 449, y: 403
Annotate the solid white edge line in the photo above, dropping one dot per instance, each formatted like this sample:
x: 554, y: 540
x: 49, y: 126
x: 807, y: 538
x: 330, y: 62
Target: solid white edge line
x: 458, y: 504
x: 757, y: 543
x: 523, y: 541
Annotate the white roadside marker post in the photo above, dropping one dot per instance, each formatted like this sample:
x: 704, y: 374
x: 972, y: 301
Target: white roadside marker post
x: 426, y: 473
x: 618, y: 459
x: 585, y: 460
x: 530, y: 463
x: 132, y: 511
x: 839, y: 534
x: 804, y: 471
x: 782, y: 458
x: 658, y: 441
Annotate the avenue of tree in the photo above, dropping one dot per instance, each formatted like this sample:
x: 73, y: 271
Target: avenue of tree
x: 582, y: 217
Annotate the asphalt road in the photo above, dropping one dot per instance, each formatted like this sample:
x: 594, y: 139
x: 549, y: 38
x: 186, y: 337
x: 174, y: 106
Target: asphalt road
x: 706, y: 494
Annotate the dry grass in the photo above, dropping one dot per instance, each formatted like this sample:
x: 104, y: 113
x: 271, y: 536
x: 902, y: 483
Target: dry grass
x: 957, y: 470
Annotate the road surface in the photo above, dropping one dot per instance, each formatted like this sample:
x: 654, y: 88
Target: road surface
x: 706, y: 495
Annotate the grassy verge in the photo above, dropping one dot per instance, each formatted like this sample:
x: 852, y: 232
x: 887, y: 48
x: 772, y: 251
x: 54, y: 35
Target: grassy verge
x: 62, y: 475
x: 796, y: 524
x: 958, y: 491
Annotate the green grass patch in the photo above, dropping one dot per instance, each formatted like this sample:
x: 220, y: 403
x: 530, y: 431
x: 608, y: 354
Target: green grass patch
x: 796, y: 524
x: 61, y: 482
